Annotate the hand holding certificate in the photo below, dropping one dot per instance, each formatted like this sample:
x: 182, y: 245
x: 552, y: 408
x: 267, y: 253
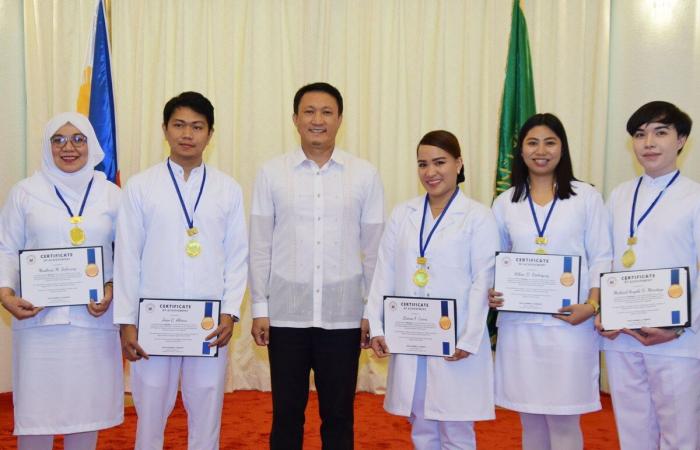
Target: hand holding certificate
x: 420, y: 326
x: 62, y: 276
x: 537, y: 283
x: 645, y: 298
x: 178, y: 327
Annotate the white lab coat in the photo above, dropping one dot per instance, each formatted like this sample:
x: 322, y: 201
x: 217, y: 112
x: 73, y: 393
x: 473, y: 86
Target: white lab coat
x: 460, y: 262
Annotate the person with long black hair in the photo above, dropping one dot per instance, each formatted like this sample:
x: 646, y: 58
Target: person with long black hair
x: 547, y: 366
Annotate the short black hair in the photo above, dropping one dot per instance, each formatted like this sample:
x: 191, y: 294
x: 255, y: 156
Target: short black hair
x: 319, y: 87
x: 447, y: 141
x: 193, y: 100
x: 563, y: 173
x: 661, y: 112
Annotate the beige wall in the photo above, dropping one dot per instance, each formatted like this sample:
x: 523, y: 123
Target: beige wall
x: 654, y: 55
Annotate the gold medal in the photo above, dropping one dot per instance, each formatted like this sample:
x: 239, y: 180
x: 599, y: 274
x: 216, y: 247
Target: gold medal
x: 92, y: 270
x: 445, y: 323
x: 541, y: 251
x: 567, y: 279
x: 207, y: 323
x: 193, y: 248
x: 77, y: 235
x: 421, y: 277
x: 675, y: 291
x: 192, y: 231
x: 632, y: 240
x: 541, y: 240
x: 628, y: 258
x: 422, y: 260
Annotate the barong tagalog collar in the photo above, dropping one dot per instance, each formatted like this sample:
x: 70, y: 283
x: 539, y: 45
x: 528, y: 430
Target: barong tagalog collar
x: 421, y: 276
x: 193, y: 247
x: 70, y: 187
x: 540, y: 239
x: 628, y: 257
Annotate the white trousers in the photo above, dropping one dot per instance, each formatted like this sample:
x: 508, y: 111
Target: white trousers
x: 73, y: 441
x: 551, y: 432
x: 436, y: 434
x: 154, y: 384
x: 656, y: 400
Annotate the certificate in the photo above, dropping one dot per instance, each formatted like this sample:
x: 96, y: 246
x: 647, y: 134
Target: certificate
x: 170, y: 327
x: 420, y: 326
x: 536, y: 283
x: 645, y: 298
x: 61, y: 276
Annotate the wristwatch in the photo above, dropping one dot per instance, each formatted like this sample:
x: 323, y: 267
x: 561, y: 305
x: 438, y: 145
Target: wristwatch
x: 679, y: 332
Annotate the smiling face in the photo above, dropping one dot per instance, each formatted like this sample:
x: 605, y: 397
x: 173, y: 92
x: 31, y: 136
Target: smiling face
x: 656, y: 147
x: 188, y: 134
x: 438, y: 170
x: 70, y: 154
x: 541, y: 151
x: 317, y: 120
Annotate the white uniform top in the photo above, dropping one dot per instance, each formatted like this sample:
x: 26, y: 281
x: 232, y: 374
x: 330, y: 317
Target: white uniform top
x: 578, y: 226
x: 560, y: 373
x: 33, y: 218
x: 314, y: 238
x: 150, y: 259
x: 460, y: 263
x: 668, y: 237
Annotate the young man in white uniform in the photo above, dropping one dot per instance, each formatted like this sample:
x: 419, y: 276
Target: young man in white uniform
x: 316, y: 220
x: 155, y: 258
x: 654, y: 373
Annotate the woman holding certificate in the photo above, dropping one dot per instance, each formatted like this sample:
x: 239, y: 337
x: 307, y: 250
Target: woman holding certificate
x: 547, y: 365
x: 67, y: 371
x: 440, y: 247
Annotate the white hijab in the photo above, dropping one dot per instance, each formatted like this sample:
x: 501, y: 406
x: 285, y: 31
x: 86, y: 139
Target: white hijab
x: 71, y: 184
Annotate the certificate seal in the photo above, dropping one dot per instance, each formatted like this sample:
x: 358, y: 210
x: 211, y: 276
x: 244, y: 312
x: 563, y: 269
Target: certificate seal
x: 92, y: 270
x: 207, y: 323
x: 567, y: 279
x: 675, y: 291
x: 445, y: 323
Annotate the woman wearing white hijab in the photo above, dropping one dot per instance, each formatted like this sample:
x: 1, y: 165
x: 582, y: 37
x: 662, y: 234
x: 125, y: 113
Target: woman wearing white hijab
x: 67, y: 371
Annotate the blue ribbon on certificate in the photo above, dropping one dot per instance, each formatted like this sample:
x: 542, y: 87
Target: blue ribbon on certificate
x: 93, y: 295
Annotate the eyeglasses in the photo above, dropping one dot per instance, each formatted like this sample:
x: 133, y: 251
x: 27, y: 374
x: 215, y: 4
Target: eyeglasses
x: 78, y: 140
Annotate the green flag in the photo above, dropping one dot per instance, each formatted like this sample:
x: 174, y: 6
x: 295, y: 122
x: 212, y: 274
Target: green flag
x: 517, y: 106
x: 518, y: 96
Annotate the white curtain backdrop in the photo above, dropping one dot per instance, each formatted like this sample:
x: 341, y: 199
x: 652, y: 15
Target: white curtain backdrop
x: 404, y: 67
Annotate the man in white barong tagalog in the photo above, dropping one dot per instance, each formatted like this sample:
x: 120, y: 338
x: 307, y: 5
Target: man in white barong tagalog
x: 316, y: 220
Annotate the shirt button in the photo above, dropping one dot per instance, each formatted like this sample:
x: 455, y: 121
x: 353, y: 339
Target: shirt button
x: 318, y: 267
x: 318, y: 290
x: 318, y: 242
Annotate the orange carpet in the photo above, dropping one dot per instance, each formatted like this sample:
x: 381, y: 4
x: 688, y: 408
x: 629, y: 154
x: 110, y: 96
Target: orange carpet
x: 247, y: 416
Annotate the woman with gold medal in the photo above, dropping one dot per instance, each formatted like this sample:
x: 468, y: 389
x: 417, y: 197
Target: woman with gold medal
x: 67, y: 368
x: 440, y: 245
x: 547, y: 366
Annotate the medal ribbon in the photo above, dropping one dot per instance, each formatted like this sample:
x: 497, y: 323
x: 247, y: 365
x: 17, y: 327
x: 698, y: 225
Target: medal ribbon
x: 540, y: 231
x: 656, y: 200
x: 422, y: 247
x: 190, y: 221
x: 82, y: 206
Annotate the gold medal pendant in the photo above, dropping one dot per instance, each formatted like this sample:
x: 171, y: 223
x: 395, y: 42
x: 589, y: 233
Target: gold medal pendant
x: 193, y: 248
x: 192, y: 231
x: 628, y: 258
x: 77, y: 235
x: 631, y: 240
x: 541, y: 251
x: 421, y: 277
x: 541, y: 240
